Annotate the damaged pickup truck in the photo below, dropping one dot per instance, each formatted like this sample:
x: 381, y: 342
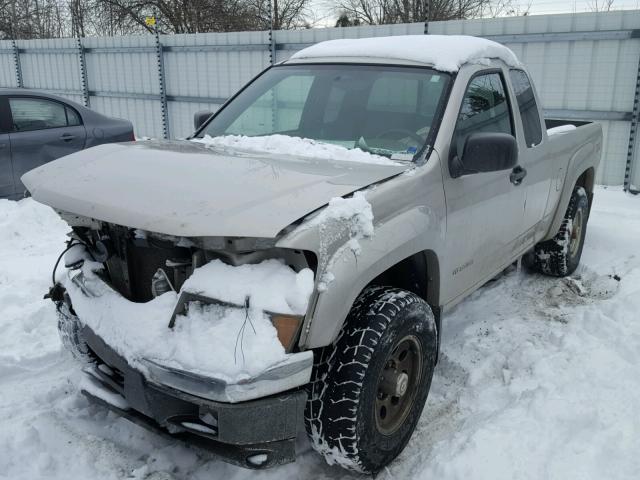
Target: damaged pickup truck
x: 293, y: 260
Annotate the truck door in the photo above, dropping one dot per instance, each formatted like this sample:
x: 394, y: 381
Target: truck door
x: 42, y: 130
x: 532, y: 156
x: 484, y: 210
x: 6, y: 171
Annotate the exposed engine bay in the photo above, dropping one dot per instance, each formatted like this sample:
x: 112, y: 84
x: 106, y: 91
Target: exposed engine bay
x: 142, y: 265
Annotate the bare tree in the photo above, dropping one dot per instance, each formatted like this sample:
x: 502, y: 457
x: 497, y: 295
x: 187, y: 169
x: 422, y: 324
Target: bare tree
x: 600, y: 5
x: 506, y: 8
x: 24, y: 19
x: 405, y: 11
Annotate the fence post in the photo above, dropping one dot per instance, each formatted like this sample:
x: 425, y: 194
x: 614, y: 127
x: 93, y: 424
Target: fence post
x: 426, y: 16
x: 163, y: 89
x: 16, y: 63
x: 84, y: 81
x: 631, y: 151
x: 272, y: 37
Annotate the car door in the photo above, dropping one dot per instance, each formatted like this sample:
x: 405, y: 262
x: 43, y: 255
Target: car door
x: 537, y: 160
x: 6, y: 170
x: 42, y: 130
x: 484, y: 210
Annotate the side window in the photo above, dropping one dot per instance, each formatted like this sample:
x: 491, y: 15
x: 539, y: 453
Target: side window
x: 484, y: 109
x: 36, y: 114
x: 527, y: 106
x: 73, y: 119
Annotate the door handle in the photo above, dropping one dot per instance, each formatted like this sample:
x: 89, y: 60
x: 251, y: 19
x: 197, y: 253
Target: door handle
x: 517, y: 175
x: 67, y: 137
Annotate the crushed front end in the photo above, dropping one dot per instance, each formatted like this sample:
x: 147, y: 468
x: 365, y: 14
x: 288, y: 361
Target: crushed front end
x: 251, y: 419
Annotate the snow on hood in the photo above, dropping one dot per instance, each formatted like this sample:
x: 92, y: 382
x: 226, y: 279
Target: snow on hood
x: 186, y: 189
x: 300, y: 147
x: 204, y: 340
x: 446, y: 53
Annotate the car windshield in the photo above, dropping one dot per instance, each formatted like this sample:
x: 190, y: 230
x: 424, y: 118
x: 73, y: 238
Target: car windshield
x: 385, y: 110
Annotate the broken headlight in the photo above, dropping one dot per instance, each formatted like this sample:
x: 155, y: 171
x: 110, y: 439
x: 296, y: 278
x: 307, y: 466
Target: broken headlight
x: 287, y: 326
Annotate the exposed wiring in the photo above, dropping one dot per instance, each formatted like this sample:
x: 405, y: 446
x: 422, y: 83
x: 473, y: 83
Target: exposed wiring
x: 240, y: 336
x: 55, y: 267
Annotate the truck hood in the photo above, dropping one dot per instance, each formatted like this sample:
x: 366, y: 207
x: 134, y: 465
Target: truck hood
x: 186, y: 189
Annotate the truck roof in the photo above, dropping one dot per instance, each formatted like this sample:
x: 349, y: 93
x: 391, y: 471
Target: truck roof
x: 446, y: 53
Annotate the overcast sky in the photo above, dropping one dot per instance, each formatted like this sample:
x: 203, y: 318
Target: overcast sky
x: 324, y: 10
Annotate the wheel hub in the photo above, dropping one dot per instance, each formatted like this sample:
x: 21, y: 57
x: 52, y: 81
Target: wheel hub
x: 576, y: 234
x: 398, y: 384
x: 394, y: 383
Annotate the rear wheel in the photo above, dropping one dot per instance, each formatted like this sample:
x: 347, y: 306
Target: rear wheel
x: 370, y: 386
x: 560, y: 255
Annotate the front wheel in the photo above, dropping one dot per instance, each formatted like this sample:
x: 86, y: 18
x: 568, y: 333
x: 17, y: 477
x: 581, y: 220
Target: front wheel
x: 370, y: 386
x: 560, y: 256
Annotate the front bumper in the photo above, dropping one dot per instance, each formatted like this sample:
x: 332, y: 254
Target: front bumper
x: 258, y: 433
x: 255, y: 434
x: 294, y: 372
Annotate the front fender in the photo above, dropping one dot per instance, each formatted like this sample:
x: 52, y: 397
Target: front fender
x: 396, y: 239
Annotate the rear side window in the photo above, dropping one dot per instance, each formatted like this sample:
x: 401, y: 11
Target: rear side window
x: 73, y: 119
x: 40, y: 113
x: 527, y: 106
x: 484, y: 109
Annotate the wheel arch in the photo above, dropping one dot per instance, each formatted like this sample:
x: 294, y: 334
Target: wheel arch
x: 586, y: 180
x: 420, y: 274
x: 580, y: 172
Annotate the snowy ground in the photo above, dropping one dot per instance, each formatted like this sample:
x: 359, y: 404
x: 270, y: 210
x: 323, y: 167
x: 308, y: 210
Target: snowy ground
x: 538, y: 378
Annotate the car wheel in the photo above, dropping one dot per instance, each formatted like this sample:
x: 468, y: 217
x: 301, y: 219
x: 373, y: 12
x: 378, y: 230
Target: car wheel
x: 560, y: 255
x: 370, y: 386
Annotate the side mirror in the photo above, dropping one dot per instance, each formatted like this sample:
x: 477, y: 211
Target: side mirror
x: 200, y: 117
x: 485, y: 152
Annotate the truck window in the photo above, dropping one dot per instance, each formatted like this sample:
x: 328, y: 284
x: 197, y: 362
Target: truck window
x: 527, y: 106
x: 484, y: 109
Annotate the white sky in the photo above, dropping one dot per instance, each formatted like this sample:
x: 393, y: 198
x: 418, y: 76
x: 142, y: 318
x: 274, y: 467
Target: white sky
x: 324, y: 10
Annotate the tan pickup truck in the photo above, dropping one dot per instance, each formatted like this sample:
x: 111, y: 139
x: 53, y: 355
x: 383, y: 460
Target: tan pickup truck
x: 296, y: 258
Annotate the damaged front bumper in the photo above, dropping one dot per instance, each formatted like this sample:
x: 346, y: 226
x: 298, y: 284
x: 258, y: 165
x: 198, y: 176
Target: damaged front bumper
x: 251, y: 423
x: 294, y: 371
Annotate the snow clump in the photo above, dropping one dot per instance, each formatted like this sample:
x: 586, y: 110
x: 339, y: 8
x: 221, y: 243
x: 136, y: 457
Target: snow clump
x: 295, y: 146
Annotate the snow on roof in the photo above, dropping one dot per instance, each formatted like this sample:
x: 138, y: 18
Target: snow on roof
x: 445, y: 52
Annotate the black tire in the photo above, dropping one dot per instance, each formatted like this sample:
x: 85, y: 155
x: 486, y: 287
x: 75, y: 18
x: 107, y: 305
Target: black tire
x: 560, y: 255
x: 343, y: 416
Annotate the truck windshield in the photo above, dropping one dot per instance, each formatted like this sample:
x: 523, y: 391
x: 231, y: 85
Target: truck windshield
x: 385, y: 110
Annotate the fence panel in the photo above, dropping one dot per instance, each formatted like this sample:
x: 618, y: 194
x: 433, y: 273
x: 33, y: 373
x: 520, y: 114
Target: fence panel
x: 203, y: 70
x: 7, y: 67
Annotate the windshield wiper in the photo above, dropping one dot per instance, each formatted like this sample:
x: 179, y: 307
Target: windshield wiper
x: 385, y: 152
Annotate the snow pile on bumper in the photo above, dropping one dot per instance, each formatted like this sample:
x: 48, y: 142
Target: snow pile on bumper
x: 217, y: 340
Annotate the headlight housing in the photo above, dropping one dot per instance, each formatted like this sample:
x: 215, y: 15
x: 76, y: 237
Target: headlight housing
x: 287, y: 326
